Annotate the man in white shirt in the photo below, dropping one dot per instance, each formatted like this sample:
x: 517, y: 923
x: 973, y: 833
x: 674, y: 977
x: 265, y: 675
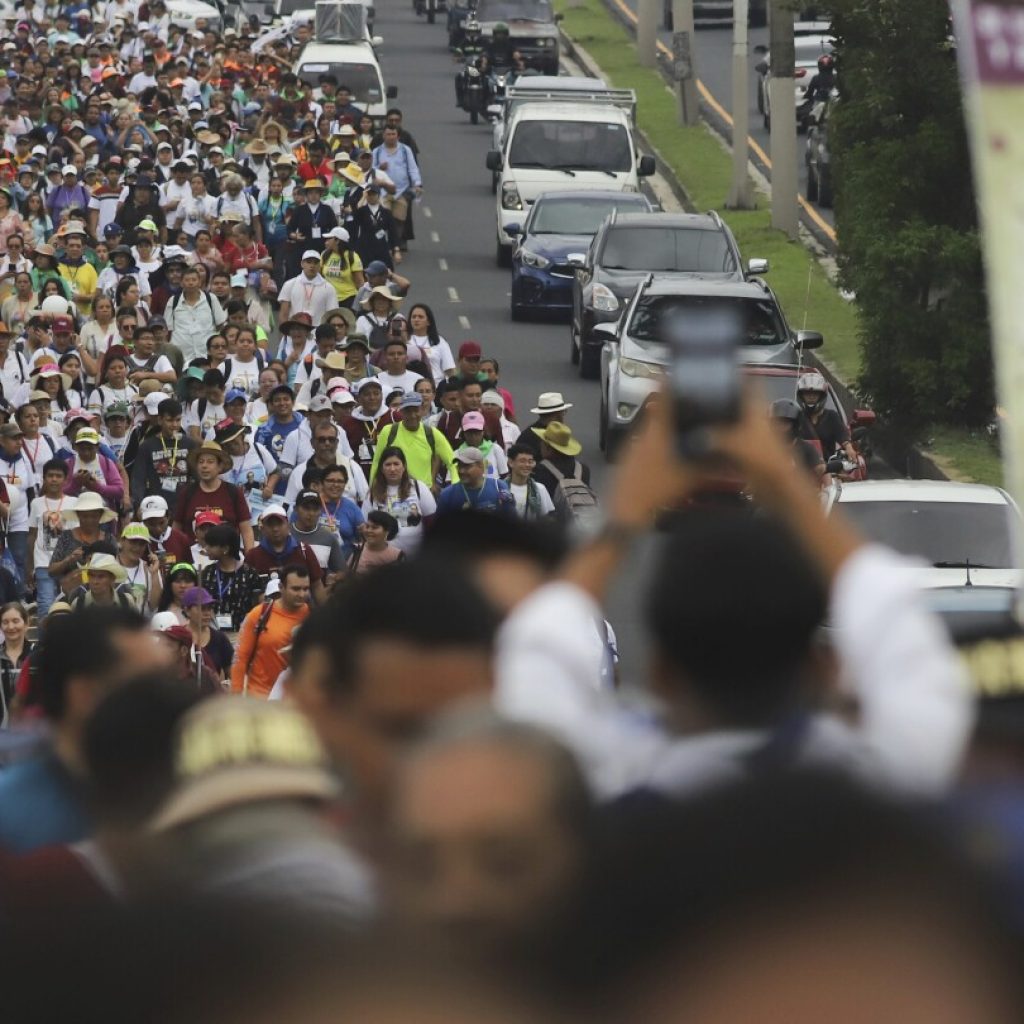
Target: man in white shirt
x: 193, y: 316
x: 176, y: 191
x: 146, y: 78
x: 310, y: 292
x: 396, y: 374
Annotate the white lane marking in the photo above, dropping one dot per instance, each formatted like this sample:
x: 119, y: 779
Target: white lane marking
x: 453, y: 295
x: 427, y: 213
x: 464, y: 322
x: 442, y: 263
x: 435, y: 237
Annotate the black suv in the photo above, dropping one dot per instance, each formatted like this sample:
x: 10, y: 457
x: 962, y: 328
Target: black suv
x: 630, y: 246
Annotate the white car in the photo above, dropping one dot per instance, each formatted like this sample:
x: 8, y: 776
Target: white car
x: 964, y: 533
x: 185, y: 14
x: 807, y: 51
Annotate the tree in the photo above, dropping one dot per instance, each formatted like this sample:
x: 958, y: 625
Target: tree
x: 905, y: 213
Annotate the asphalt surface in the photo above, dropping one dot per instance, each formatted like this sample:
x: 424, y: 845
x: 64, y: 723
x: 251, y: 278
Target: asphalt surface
x: 452, y: 267
x: 713, y: 57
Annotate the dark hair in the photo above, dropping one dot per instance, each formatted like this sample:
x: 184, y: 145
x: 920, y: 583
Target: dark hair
x: 432, y: 333
x: 384, y: 519
x: 519, y: 449
x: 337, y: 468
x: 326, y: 332
x: 55, y: 466
x: 311, y: 475
x: 736, y: 556
x: 169, y: 407
x: 128, y: 747
x: 457, y: 615
x: 225, y: 535
x: 213, y: 379
x: 420, y: 367
x: 235, y: 306
x: 491, y: 359
x: 393, y: 343
x: 172, y: 577
x: 379, y: 487
x: 465, y: 382
x: 469, y: 536
x: 76, y: 645
x: 286, y: 571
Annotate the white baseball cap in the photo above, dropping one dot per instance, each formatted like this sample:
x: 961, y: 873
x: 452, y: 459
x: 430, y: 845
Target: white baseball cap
x: 273, y: 510
x: 338, y: 233
x: 152, y: 402
x: 152, y: 507
x: 69, y: 169
x: 311, y: 254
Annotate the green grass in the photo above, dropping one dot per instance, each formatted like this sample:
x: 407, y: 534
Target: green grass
x: 704, y: 169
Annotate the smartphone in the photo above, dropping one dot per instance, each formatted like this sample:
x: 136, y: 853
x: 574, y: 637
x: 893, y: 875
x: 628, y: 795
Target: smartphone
x: 704, y: 377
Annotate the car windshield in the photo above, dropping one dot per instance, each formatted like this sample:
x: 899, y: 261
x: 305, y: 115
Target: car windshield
x: 291, y: 6
x: 571, y: 146
x: 773, y: 386
x: 947, y: 534
x: 578, y: 216
x: 810, y: 48
x: 362, y: 79
x: 514, y: 10
x: 666, y: 249
x: 654, y: 314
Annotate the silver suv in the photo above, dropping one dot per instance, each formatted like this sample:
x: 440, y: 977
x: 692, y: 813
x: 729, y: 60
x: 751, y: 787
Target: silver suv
x: 634, y: 358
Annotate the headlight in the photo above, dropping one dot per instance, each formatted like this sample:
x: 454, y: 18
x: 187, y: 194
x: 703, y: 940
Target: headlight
x: 510, y: 196
x: 534, y: 259
x: 547, y: 42
x: 603, y: 299
x: 637, y: 368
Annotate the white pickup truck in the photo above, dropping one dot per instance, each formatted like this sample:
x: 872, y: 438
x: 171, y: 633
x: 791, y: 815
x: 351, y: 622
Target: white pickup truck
x: 578, y: 139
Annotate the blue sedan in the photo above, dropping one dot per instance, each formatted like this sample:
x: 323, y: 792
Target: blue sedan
x: 554, y: 241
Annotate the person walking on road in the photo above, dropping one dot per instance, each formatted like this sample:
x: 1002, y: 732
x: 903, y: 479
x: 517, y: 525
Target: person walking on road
x: 267, y: 631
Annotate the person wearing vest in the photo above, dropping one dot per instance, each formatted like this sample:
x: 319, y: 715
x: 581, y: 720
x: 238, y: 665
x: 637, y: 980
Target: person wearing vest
x: 193, y: 316
x: 428, y: 453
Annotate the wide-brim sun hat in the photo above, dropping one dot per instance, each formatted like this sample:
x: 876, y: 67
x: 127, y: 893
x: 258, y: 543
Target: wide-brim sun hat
x: 210, y: 448
x: 559, y: 437
x: 88, y: 502
x: 550, y: 401
x: 384, y: 292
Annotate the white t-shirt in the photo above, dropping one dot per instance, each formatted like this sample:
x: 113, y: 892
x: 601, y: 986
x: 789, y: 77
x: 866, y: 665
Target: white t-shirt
x: 212, y: 414
x: 244, y: 376
x: 162, y: 364
x: 497, y: 462
x: 519, y: 492
x: 420, y: 502
x: 19, y: 477
x: 251, y: 472
x: 439, y: 356
x: 356, y: 488
x: 407, y: 381
x: 44, y: 516
x: 315, y: 297
x: 191, y: 215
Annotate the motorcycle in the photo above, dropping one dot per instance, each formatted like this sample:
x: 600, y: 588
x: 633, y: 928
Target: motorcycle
x: 474, y: 93
x: 430, y: 8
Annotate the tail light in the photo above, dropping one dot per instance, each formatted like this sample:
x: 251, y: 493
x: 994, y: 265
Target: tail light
x: 800, y: 73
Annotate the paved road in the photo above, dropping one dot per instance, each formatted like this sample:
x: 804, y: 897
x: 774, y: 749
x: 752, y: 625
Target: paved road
x: 451, y: 262
x: 714, y: 66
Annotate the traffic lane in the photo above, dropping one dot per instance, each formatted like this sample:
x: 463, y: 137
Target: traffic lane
x: 452, y: 268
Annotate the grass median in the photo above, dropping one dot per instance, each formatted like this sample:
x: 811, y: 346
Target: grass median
x: 808, y: 296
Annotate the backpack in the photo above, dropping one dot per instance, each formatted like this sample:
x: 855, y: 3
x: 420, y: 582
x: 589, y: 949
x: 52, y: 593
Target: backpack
x: 227, y: 367
x: 253, y: 209
x: 575, y: 501
x: 379, y: 334
x: 393, y: 433
x: 234, y: 490
x: 176, y: 301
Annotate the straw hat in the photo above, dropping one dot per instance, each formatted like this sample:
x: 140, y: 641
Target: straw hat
x: 90, y: 501
x: 384, y: 292
x: 107, y: 563
x: 210, y: 448
x: 559, y: 436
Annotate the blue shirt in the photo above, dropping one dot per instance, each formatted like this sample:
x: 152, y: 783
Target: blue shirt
x: 271, y: 435
x: 40, y: 804
x: 493, y: 496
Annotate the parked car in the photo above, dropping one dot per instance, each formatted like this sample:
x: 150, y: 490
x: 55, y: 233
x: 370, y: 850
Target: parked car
x: 635, y: 356
x: 808, y: 49
x: 819, y: 161
x: 629, y: 247
x: 554, y: 241
x: 964, y: 533
x: 718, y: 13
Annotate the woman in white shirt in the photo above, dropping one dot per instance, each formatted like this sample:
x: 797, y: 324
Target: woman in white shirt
x: 114, y: 386
x: 424, y: 334
x: 394, y: 491
x: 97, y: 336
x: 196, y: 213
x: 242, y: 369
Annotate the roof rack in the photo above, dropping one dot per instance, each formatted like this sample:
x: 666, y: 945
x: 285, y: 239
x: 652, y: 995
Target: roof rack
x: 625, y: 98
x: 339, y: 22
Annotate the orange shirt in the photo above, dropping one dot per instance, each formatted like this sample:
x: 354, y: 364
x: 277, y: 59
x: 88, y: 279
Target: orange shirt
x: 268, y: 662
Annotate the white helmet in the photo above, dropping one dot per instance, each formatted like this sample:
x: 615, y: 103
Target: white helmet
x: 56, y: 304
x: 811, y: 381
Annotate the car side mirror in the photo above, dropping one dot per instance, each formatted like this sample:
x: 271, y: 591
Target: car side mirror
x: 377, y: 40
x: 493, y: 160
x: 646, y: 166
x: 863, y: 418
x: 392, y: 92
x: 606, y: 332
x: 512, y: 230
x: 576, y: 259
x: 757, y: 266
x: 807, y: 340
x: 761, y: 67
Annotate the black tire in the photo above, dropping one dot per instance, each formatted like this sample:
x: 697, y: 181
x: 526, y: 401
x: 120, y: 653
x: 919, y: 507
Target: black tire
x: 812, y: 184
x: 760, y: 99
x: 502, y: 255
x: 431, y: 17
x: 574, y: 352
x: 602, y: 426
x: 494, y: 183
x: 767, y: 121
x: 826, y: 194
x: 612, y: 442
x: 474, y: 117
x: 590, y: 362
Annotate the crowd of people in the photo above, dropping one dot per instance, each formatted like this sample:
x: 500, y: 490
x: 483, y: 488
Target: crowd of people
x: 310, y: 701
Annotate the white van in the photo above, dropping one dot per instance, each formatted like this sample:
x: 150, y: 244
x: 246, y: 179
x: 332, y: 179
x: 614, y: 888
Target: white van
x: 353, y: 64
x: 564, y: 140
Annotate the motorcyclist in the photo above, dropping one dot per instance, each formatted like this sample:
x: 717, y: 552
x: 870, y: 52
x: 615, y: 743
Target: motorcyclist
x: 822, y: 84
x: 787, y: 417
x: 821, y: 424
x: 476, y: 57
x: 501, y: 49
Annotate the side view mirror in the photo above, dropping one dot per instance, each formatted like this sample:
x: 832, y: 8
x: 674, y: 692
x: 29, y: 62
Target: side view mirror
x: 392, y: 92
x: 377, y: 40
x: 493, y: 160
x: 576, y: 259
x: 606, y: 332
x: 757, y: 266
x: 761, y: 67
x: 512, y: 230
x: 494, y: 110
x: 834, y: 465
x: 646, y: 166
x: 808, y: 340
x: 863, y: 418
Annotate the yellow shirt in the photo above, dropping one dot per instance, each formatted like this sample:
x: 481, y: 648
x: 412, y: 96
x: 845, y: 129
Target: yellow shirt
x: 83, y: 280
x: 417, y: 451
x: 340, y: 275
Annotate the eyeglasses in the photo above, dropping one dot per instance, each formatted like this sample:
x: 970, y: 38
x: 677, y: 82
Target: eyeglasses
x: 327, y: 440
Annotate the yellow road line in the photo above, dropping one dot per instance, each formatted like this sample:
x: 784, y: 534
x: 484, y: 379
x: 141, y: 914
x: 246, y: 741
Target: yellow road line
x: 724, y: 114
